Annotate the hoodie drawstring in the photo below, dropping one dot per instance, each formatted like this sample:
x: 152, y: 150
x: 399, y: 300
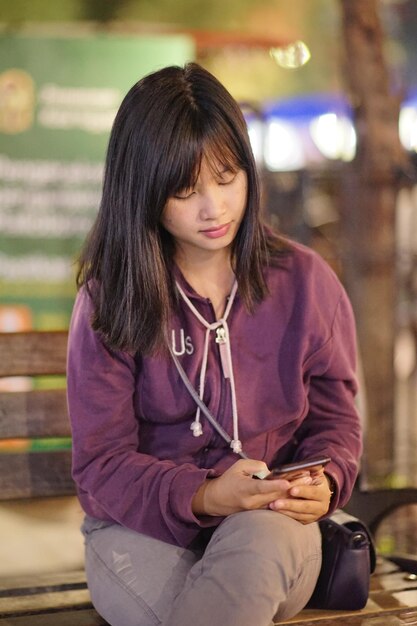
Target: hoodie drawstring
x: 223, y: 340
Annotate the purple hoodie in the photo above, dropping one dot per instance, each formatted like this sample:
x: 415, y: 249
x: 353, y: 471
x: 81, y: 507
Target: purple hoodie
x: 135, y: 459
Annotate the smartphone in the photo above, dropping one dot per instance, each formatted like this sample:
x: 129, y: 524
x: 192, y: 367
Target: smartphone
x: 297, y: 466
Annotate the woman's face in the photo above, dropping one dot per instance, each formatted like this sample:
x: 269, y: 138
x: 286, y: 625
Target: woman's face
x: 204, y: 219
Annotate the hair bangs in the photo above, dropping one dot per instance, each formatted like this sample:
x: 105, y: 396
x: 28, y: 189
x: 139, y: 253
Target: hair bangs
x: 220, y: 157
x: 217, y: 149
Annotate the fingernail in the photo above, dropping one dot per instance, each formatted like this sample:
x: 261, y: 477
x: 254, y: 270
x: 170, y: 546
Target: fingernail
x: 261, y: 474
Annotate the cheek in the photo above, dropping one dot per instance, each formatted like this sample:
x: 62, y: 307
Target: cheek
x: 237, y: 199
x: 242, y: 196
x: 167, y: 218
x: 243, y: 200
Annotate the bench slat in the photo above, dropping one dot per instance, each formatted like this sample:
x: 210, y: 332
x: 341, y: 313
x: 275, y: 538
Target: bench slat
x: 35, y: 474
x: 45, y: 592
x: 37, y: 413
x: 27, y: 583
x: 33, y: 353
x: 378, y: 619
x: 80, y: 617
x: 54, y: 600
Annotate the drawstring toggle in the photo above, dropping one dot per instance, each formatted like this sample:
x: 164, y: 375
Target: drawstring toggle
x: 196, y: 428
x: 236, y: 445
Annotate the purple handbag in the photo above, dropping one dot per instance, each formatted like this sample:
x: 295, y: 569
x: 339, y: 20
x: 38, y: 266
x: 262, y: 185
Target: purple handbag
x: 349, y: 558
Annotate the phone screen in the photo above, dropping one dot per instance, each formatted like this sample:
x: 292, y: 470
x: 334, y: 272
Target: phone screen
x: 298, y: 466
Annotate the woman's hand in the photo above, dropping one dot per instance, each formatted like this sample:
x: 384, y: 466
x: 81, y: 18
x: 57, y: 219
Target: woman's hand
x: 305, y: 503
x: 236, y: 490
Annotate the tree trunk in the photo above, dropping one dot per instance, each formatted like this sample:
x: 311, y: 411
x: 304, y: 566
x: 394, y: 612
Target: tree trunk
x: 370, y: 189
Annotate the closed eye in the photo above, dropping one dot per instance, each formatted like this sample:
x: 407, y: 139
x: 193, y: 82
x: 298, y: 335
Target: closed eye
x: 184, y: 194
x: 227, y: 177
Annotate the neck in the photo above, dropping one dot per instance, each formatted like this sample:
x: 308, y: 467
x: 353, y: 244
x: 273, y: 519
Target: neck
x: 211, y: 278
x: 214, y: 268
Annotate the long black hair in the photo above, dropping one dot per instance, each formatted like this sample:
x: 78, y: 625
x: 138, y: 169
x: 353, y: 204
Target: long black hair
x: 164, y: 125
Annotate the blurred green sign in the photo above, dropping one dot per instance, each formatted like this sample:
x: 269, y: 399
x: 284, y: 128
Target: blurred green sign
x: 58, y: 98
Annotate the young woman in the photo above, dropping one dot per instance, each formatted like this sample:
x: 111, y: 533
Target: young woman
x: 181, y: 284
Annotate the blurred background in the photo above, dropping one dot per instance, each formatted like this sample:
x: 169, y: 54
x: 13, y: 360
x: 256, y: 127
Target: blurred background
x: 329, y: 92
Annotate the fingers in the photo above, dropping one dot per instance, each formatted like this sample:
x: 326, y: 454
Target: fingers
x: 249, y: 467
x: 267, y: 490
x: 306, y: 503
x: 303, y: 480
x: 236, y: 490
x: 305, y: 498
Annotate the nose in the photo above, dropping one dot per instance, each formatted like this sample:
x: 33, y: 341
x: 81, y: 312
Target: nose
x: 212, y: 203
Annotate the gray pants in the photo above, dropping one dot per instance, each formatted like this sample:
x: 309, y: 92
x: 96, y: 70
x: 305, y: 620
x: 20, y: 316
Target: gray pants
x: 257, y: 566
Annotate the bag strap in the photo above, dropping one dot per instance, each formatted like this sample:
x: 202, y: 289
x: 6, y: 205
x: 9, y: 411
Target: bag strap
x: 204, y: 409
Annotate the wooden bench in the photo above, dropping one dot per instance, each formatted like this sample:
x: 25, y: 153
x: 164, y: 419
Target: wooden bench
x: 35, y: 462
x: 43, y: 469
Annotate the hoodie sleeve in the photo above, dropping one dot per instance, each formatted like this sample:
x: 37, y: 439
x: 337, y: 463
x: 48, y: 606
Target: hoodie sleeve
x: 115, y: 481
x: 332, y: 425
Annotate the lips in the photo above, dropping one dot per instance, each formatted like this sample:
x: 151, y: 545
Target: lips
x: 216, y: 231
